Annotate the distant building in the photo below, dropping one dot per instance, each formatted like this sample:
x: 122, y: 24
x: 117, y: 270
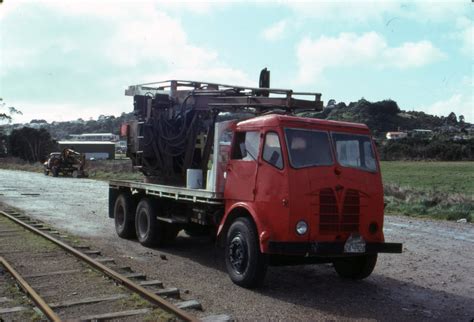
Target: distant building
x: 396, y: 135
x: 95, y: 137
x: 93, y: 150
x: 420, y: 133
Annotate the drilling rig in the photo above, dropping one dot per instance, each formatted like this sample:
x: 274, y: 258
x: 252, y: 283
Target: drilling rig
x: 174, y: 127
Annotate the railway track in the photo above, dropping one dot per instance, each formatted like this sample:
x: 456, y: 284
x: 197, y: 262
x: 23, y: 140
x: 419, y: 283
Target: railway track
x: 76, y: 283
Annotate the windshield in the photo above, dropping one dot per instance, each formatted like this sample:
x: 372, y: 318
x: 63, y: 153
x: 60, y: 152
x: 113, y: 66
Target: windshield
x: 354, y: 151
x: 308, y: 148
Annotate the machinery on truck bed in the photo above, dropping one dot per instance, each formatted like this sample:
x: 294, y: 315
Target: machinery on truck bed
x: 272, y: 188
x: 68, y: 162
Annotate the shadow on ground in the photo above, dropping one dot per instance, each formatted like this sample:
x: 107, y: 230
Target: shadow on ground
x: 318, y: 287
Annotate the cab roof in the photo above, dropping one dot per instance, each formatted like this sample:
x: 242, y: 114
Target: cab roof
x: 304, y: 122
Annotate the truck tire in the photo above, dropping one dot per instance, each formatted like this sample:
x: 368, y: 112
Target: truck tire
x: 150, y: 231
x: 355, y: 268
x: 245, y: 264
x: 124, y: 216
x: 46, y: 172
x: 75, y: 174
x: 55, y: 171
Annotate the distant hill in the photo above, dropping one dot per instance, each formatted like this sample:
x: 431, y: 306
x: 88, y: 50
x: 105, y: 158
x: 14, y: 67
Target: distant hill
x: 384, y: 116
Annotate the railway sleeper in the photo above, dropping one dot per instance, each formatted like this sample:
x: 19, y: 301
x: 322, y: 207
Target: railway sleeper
x: 114, y: 315
x: 105, y: 260
x: 168, y: 292
x: 92, y: 252
x: 190, y: 304
x: 14, y: 309
x: 137, y: 276
x: 156, y: 283
x: 88, y: 300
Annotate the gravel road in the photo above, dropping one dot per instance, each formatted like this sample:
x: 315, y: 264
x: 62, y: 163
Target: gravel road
x: 432, y: 279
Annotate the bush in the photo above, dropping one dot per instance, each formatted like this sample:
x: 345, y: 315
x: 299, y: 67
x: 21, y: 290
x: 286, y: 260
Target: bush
x: 420, y: 149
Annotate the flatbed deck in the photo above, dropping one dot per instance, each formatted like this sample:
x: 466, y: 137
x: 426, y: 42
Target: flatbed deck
x: 171, y: 192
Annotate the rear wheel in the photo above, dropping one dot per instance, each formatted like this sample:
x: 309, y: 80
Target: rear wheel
x: 124, y: 216
x: 55, y: 171
x: 150, y: 231
x: 355, y: 268
x: 245, y: 263
x: 75, y: 174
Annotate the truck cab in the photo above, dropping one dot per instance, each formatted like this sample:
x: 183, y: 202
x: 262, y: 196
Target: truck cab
x: 308, y: 190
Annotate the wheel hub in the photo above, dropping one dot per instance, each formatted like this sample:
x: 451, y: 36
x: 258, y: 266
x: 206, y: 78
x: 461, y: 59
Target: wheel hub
x: 142, y: 224
x: 238, y: 254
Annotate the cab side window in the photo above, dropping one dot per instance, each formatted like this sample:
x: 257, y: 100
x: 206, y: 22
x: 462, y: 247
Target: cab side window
x: 272, y: 150
x: 246, y: 146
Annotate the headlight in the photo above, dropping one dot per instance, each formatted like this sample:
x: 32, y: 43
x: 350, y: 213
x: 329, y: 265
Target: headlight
x: 301, y: 227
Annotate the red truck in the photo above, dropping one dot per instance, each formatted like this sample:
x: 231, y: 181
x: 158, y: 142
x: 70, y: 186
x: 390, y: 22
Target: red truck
x: 271, y: 187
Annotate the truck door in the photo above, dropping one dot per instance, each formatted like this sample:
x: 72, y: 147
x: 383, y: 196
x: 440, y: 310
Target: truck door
x: 241, y: 169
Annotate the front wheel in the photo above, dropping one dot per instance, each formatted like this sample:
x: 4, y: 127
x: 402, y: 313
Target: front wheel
x: 356, y: 268
x: 246, y: 265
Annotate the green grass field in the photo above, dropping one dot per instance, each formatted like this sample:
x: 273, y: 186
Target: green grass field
x: 443, y: 190
x: 449, y: 177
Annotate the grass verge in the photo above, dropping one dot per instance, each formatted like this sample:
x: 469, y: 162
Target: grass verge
x: 440, y: 190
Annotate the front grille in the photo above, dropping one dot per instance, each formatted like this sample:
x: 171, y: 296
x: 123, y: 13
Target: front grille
x: 351, y: 212
x: 328, y: 213
x: 331, y: 219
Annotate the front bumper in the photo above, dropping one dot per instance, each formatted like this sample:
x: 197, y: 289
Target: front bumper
x: 328, y: 248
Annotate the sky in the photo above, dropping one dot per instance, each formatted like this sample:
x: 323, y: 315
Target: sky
x: 64, y: 60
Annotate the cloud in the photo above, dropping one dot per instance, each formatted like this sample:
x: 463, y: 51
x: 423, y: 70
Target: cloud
x: 412, y: 54
x: 460, y: 102
x: 356, y: 12
x: 155, y: 36
x: 465, y: 34
x: 88, y: 52
x: 351, y: 12
x: 275, y: 31
x: 368, y: 49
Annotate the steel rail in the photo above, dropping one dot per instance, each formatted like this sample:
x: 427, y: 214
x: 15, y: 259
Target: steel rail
x: 151, y: 297
x: 40, y: 303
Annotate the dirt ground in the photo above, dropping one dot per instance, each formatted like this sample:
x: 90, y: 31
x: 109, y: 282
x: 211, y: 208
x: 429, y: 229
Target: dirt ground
x: 431, y: 280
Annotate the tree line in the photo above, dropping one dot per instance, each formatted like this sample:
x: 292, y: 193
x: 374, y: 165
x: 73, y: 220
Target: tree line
x: 36, y: 140
x: 437, y: 149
